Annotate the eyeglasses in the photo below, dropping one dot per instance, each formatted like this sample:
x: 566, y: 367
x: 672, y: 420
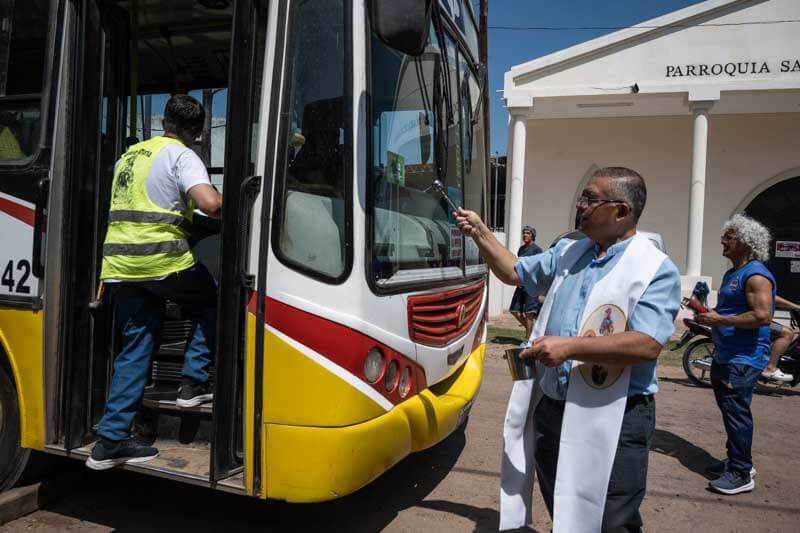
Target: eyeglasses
x: 584, y: 202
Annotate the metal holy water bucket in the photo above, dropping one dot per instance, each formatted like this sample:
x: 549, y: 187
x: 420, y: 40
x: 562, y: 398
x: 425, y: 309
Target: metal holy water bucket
x: 520, y: 368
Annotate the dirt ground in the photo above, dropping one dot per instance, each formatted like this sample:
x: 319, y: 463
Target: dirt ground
x: 454, y: 486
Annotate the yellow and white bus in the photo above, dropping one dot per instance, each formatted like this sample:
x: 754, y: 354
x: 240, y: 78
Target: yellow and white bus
x: 351, y: 323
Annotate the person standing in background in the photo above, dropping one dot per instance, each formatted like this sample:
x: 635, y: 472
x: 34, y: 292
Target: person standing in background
x: 740, y: 329
x: 525, y: 307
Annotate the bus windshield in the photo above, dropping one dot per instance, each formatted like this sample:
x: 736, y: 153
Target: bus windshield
x: 424, y: 115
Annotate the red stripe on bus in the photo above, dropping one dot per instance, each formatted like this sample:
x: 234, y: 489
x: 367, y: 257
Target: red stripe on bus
x: 344, y: 346
x: 340, y: 344
x: 20, y: 212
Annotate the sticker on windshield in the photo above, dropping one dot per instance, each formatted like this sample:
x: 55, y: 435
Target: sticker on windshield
x: 456, y: 250
x: 395, y: 171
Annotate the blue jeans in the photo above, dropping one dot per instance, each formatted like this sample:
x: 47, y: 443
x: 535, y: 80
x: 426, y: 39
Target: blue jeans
x: 733, y: 389
x: 138, y: 311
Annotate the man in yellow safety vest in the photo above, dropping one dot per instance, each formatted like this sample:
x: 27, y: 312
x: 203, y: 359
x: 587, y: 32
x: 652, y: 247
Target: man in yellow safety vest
x: 158, y: 183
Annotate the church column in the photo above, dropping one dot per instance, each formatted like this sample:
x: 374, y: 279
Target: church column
x: 697, y: 190
x: 516, y: 188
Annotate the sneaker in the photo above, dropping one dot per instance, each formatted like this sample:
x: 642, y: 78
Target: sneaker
x: 192, y: 394
x: 777, y: 376
x: 717, y: 469
x: 108, y: 453
x: 732, y: 483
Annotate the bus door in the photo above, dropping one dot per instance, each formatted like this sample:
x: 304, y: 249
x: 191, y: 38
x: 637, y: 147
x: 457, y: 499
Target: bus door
x: 243, y: 183
x: 130, y: 56
x: 91, y: 137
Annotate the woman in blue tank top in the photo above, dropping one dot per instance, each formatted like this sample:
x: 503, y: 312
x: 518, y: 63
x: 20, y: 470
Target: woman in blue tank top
x: 740, y: 322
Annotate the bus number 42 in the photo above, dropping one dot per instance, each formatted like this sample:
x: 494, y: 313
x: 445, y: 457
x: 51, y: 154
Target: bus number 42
x: 24, y: 271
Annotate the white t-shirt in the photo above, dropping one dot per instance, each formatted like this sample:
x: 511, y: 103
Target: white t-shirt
x: 175, y: 170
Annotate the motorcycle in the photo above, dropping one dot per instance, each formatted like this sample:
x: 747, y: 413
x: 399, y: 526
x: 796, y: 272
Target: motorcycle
x: 700, y: 352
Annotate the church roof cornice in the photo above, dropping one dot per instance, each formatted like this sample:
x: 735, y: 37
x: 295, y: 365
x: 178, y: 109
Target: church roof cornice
x: 650, y: 29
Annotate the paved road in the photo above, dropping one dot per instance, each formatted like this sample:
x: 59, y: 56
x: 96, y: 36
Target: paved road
x: 454, y: 486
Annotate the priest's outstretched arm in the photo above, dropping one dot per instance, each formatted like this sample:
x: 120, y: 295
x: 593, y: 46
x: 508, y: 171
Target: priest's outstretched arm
x: 497, y: 257
x: 535, y: 272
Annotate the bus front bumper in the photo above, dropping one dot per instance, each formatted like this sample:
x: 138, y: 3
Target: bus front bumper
x: 312, y: 464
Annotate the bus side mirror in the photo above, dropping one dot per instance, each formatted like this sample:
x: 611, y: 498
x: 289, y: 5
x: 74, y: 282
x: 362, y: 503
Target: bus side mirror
x: 402, y: 24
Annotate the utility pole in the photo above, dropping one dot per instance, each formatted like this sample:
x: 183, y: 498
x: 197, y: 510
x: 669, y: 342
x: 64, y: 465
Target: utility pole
x: 496, y: 166
x: 483, y: 44
x: 147, y: 119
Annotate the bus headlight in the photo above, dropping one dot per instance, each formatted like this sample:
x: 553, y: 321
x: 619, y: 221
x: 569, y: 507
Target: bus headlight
x: 405, y: 382
x: 390, y: 380
x: 373, y: 365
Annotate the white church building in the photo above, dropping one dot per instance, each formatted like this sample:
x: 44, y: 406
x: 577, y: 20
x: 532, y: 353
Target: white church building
x: 703, y: 102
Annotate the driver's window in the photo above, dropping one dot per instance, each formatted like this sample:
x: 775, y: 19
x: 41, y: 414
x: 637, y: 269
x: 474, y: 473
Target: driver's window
x: 311, y: 231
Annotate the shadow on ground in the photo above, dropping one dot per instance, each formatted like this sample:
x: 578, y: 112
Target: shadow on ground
x: 682, y: 381
x: 688, y: 454
x: 486, y: 520
x: 506, y: 340
x: 129, y: 502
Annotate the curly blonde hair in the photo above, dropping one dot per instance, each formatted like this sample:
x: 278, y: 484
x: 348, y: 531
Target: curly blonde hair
x: 751, y: 233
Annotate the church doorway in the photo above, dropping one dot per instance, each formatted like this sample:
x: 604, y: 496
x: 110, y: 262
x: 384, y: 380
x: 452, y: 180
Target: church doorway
x: 777, y: 208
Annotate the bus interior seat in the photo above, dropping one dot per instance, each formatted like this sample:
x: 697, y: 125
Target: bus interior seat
x: 310, y: 234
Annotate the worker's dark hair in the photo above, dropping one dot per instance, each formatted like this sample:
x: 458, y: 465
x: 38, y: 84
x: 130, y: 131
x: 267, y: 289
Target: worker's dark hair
x: 184, y: 114
x: 627, y: 185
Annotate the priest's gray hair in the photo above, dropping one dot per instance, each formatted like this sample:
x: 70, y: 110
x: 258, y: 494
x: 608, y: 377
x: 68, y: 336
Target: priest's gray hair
x: 752, y: 233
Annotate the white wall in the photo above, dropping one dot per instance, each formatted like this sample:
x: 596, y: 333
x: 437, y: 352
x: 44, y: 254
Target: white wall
x: 500, y: 294
x: 743, y: 152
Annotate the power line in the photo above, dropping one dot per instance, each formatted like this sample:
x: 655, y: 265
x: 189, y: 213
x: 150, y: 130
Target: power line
x: 667, y: 26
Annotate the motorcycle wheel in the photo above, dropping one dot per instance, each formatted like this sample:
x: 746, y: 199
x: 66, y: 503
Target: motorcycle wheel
x: 697, y: 362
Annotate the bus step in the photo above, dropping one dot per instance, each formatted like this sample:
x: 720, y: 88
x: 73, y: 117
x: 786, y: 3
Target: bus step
x: 161, y: 418
x: 162, y: 397
x: 184, y: 427
x: 171, y: 406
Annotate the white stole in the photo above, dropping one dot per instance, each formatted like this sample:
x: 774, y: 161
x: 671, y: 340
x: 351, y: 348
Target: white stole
x: 592, y: 416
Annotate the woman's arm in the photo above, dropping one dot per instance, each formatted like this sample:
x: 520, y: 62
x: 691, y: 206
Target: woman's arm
x: 758, y: 292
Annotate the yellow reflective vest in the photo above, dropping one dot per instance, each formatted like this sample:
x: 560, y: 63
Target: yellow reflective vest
x: 143, y: 241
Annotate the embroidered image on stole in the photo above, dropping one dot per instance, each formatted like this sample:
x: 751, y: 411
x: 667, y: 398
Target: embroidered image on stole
x: 605, y: 320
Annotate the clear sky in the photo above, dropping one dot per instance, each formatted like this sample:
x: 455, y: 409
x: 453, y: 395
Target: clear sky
x: 508, y: 48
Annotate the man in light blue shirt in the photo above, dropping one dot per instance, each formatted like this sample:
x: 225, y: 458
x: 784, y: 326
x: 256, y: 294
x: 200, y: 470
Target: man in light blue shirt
x: 609, y: 209
x: 654, y: 315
